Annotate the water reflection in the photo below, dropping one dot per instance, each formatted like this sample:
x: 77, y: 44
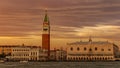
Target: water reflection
x: 60, y: 65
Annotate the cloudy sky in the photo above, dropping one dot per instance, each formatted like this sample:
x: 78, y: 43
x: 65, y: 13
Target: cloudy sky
x: 71, y: 20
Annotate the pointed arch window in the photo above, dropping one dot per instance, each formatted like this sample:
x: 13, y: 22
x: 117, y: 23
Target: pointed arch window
x: 102, y: 49
x: 71, y: 48
x: 85, y: 48
x: 109, y: 49
x: 78, y: 48
x: 95, y: 48
x: 90, y: 49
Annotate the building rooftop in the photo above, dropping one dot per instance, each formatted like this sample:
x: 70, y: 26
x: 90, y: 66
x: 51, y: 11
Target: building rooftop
x: 87, y: 42
x: 20, y: 46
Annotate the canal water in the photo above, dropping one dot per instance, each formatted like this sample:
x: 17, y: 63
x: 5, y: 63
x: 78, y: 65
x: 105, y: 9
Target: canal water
x: 60, y: 65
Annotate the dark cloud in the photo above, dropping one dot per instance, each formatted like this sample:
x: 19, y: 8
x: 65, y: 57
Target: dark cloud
x: 23, y: 17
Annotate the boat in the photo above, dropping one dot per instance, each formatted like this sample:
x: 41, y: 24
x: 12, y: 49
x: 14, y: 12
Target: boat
x: 2, y: 61
x: 24, y: 61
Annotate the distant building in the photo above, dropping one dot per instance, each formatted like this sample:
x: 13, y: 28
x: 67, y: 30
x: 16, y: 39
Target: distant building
x: 43, y: 55
x: 6, y: 49
x: 27, y: 53
x: 20, y: 53
x: 91, y: 51
x: 118, y: 54
x: 34, y: 54
x: 61, y: 55
x: 58, y: 55
x: 52, y: 55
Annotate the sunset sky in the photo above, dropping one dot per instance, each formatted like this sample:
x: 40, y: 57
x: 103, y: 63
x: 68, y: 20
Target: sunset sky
x: 71, y: 20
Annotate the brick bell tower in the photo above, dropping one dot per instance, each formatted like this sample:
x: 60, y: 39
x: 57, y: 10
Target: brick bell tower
x: 46, y: 34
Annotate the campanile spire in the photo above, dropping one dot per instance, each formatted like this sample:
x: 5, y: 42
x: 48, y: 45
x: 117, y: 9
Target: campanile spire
x: 46, y: 19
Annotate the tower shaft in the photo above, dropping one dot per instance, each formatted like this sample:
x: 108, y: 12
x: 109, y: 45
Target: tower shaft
x: 46, y: 34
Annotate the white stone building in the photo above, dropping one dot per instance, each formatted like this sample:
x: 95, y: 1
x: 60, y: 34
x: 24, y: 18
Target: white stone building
x: 20, y: 53
x: 43, y: 55
x: 58, y: 55
x: 61, y: 55
x: 34, y: 54
x: 27, y: 53
x: 91, y: 51
x: 52, y: 55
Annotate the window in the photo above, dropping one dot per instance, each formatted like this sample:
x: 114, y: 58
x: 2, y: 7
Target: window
x: 76, y: 58
x: 78, y: 48
x: 109, y: 49
x: 102, y: 49
x: 90, y: 49
x: 68, y: 58
x: 85, y: 48
x: 71, y: 49
x: 95, y: 48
